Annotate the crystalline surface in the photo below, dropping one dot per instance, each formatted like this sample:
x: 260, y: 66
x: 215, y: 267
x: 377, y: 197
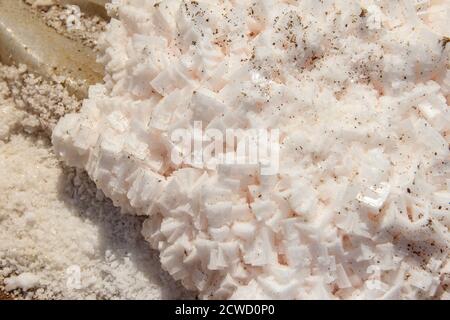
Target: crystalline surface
x: 359, y: 93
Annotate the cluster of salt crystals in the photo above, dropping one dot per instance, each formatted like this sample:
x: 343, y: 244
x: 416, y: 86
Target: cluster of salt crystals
x: 359, y: 207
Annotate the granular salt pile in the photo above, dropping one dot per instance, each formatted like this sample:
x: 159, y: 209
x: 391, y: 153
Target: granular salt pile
x: 359, y: 209
x: 59, y: 237
x: 31, y: 103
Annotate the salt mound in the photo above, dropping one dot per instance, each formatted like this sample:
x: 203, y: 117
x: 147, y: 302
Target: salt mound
x: 358, y: 207
x: 60, y: 238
